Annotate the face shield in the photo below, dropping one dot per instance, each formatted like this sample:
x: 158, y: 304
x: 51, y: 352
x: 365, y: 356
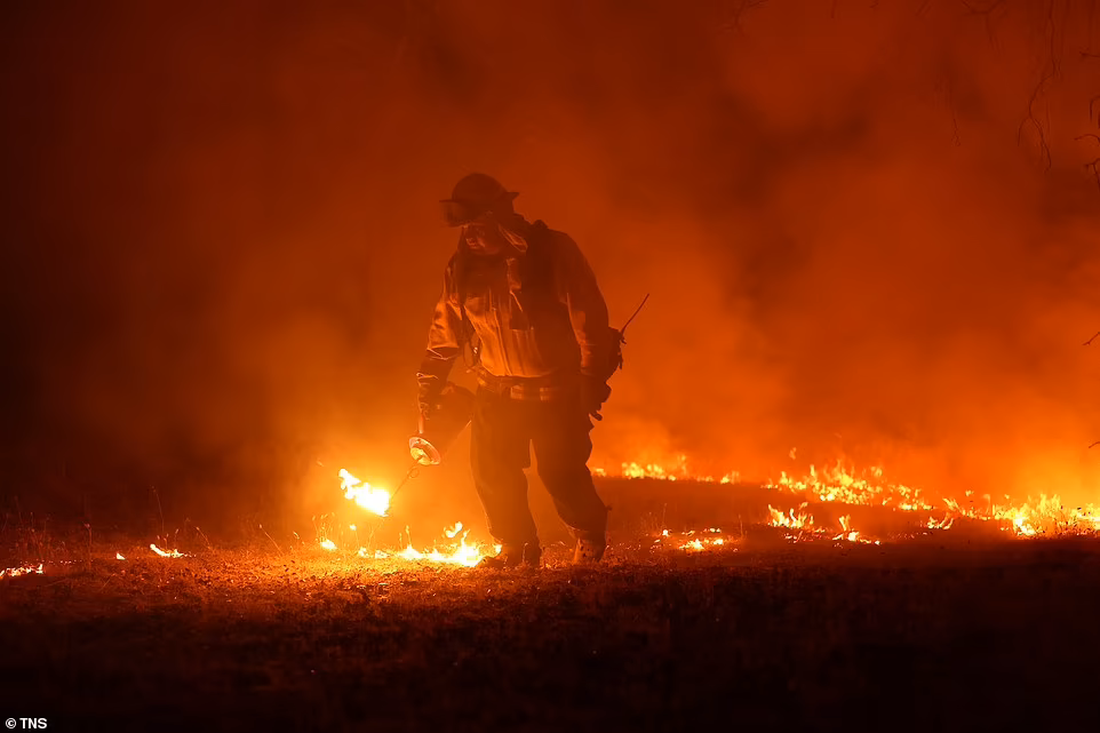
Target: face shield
x: 460, y: 210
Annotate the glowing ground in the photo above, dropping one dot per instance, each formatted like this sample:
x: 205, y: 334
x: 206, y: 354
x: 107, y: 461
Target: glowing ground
x: 946, y: 631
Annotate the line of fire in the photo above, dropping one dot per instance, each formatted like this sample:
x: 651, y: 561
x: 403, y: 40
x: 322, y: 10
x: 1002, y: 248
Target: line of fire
x: 596, y: 364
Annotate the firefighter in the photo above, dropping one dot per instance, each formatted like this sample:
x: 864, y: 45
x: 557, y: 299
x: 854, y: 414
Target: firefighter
x: 523, y: 300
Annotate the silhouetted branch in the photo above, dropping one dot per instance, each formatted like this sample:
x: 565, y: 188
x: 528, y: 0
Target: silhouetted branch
x: 739, y: 8
x: 1091, y: 339
x: 1094, y: 166
x: 1044, y: 148
x: 1095, y: 444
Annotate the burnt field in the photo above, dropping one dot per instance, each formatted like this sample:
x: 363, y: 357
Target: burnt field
x: 958, y: 630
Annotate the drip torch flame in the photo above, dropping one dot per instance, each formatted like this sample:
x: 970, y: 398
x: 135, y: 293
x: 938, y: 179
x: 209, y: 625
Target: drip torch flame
x: 165, y: 553
x: 370, y: 498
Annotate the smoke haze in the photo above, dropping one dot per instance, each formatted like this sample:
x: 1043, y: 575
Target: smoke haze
x: 869, y: 230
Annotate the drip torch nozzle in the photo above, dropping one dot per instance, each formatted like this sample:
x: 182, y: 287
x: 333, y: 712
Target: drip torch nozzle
x: 413, y: 472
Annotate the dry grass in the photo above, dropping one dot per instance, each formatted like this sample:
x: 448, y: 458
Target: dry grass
x: 765, y: 634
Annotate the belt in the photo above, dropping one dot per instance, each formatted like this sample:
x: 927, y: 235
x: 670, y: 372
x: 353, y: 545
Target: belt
x: 503, y: 386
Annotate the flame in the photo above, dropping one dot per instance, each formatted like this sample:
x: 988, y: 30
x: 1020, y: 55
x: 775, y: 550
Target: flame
x: 802, y: 520
x: 839, y: 483
x: 460, y: 553
x: 377, y: 500
x: 696, y: 544
x: 847, y: 533
x: 24, y: 570
x: 1047, y: 516
x: 165, y: 553
x: 118, y: 556
x: 464, y: 553
x: 651, y: 470
x: 680, y: 471
x: 372, y: 499
x: 944, y: 523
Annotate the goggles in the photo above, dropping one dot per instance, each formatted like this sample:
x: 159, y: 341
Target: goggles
x: 457, y: 213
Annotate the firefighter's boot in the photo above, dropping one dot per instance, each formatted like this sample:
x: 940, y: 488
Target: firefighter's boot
x: 590, y: 550
x: 513, y: 556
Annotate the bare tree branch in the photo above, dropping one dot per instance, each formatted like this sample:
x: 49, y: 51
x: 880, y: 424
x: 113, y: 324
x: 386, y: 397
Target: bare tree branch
x: 1094, y: 166
x: 1091, y: 339
x: 1044, y: 148
x: 731, y: 15
x: 1051, y: 73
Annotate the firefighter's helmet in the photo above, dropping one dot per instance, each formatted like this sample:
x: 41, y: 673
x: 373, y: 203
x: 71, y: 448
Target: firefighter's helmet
x: 474, y: 195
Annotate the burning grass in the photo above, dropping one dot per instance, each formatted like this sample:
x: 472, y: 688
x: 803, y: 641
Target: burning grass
x: 833, y: 487
x: 758, y: 604
x: 842, y: 485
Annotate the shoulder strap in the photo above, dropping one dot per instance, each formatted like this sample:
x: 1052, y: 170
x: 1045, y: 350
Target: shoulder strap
x: 468, y: 341
x: 540, y: 259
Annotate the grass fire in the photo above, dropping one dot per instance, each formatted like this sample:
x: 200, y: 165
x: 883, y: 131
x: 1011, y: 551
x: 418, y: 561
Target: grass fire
x: 438, y: 365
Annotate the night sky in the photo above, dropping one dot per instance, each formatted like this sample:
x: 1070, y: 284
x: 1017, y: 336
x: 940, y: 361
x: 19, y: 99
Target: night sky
x: 869, y: 229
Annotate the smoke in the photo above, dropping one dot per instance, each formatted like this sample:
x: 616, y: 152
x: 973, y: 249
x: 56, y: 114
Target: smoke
x: 868, y: 230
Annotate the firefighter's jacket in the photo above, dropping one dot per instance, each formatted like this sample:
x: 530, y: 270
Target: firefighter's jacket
x: 535, y: 313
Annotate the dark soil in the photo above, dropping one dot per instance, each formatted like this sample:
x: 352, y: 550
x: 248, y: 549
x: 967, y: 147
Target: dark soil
x: 819, y: 636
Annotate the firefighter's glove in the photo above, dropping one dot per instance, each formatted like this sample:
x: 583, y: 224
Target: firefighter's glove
x: 428, y: 403
x: 594, y: 392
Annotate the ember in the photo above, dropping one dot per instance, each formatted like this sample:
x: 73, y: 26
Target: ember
x: 695, y: 543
